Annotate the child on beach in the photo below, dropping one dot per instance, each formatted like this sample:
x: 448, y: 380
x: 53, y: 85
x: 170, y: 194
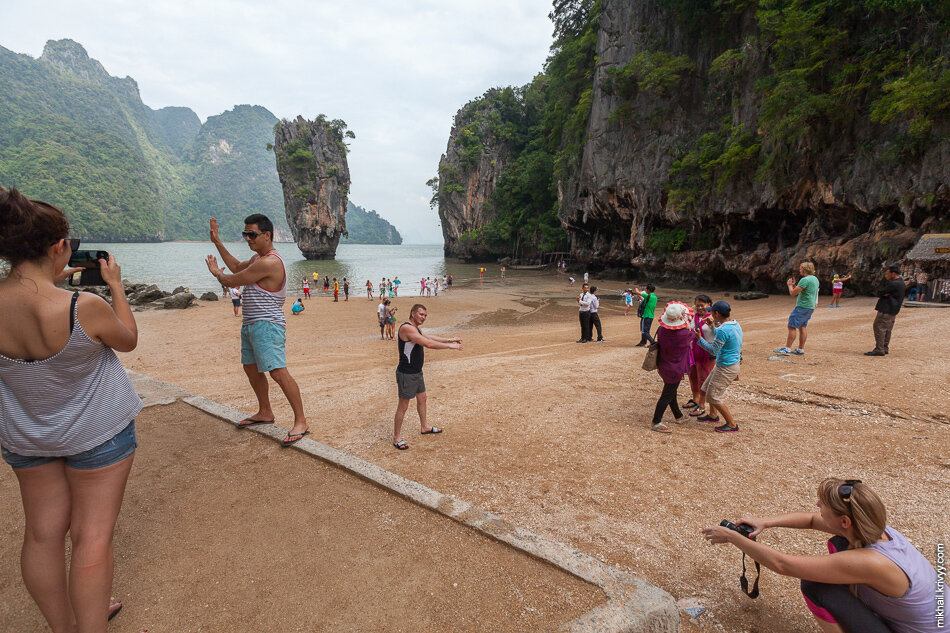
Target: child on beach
x: 369, y: 289
x: 298, y: 307
x: 627, y: 300
x: 837, y: 287
x: 306, y: 288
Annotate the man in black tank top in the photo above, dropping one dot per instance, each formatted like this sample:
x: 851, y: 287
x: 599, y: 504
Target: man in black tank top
x: 411, y: 341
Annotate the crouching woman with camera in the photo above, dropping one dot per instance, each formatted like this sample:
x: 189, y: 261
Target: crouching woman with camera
x: 67, y: 414
x: 874, y: 581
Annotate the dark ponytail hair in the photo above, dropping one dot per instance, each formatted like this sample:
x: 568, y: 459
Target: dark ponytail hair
x: 28, y: 227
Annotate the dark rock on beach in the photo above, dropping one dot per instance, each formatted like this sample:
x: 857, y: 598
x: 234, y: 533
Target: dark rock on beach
x: 749, y: 296
x: 209, y: 296
x: 178, y: 301
x: 146, y: 295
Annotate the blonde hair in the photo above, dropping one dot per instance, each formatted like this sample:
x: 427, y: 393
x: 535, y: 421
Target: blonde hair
x: 808, y: 268
x: 865, y: 508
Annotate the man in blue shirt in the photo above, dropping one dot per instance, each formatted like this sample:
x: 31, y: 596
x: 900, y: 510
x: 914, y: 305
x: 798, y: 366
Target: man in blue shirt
x: 726, y: 348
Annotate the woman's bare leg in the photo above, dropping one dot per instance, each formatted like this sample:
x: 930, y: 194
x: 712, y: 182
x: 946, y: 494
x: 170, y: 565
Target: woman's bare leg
x: 46, y: 504
x: 96, y: 501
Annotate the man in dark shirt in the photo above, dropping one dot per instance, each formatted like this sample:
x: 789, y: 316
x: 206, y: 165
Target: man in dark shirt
x: 409, y: 380
x: 888, y: 305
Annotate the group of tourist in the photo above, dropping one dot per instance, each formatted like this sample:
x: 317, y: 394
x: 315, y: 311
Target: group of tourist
x: 703, y: 343
x: 336, y: 285
x: 72, y: 449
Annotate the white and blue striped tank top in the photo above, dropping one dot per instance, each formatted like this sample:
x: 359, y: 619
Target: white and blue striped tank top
x: 68, y: 403
x: 264, y: 305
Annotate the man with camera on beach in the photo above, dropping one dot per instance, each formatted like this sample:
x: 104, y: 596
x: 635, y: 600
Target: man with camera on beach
x: 263, y: 328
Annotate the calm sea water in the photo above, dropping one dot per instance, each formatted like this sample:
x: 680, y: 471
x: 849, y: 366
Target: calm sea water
x: 172, y: 264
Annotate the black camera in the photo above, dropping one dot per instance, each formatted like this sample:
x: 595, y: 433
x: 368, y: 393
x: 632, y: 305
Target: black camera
x: 743, y: 529
x: 89, y: 262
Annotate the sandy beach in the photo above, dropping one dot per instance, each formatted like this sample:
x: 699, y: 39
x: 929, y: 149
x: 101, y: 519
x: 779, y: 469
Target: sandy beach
x: 554, y: 436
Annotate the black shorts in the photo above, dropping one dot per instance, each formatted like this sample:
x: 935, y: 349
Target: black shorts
x: 410, y: 384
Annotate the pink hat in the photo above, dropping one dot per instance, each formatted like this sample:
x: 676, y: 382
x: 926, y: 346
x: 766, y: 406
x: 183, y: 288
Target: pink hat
x: 676, y: 316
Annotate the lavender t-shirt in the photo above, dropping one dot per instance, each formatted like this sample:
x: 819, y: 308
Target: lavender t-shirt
x: 916, y: 610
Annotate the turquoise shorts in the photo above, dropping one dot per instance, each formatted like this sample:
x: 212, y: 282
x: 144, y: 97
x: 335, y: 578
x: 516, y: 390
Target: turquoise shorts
x: 262, y: 344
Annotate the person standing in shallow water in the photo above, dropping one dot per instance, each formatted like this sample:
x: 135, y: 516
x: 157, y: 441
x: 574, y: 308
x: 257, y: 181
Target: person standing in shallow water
x: 409, y: 380
x: 263, y: 330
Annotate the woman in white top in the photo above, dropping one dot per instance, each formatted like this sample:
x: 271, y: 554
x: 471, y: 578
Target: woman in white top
x: 67, y: 414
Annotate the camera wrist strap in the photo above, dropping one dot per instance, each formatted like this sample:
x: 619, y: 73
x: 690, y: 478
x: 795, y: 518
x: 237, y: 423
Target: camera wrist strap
x: 744, y: 582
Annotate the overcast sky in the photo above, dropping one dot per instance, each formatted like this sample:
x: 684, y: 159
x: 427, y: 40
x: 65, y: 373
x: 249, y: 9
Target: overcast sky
x: 396, y: 72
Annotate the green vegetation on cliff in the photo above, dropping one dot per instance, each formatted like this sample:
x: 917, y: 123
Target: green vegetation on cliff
x: 542, y: 128
x: 73, y: 135
x: 367, y: 227
x: 786, y: 89
x: 834, y: 69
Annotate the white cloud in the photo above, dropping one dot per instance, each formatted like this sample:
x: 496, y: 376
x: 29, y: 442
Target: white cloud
x: 395, y: 72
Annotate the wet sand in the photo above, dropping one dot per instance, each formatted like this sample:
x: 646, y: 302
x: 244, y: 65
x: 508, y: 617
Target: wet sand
x: 554, y: 436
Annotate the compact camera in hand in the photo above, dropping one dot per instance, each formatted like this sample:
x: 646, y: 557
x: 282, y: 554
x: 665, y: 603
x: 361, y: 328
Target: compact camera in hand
x: 742, y: 528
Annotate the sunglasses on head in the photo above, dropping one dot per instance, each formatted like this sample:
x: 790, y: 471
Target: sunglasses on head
x: 251, y: 235
x: 845, y: 489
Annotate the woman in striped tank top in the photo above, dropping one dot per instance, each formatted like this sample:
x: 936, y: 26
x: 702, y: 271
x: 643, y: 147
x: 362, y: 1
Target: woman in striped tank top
x: 67, y: 413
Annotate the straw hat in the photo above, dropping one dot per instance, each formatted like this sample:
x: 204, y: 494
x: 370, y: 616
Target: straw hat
x: 676, y: 316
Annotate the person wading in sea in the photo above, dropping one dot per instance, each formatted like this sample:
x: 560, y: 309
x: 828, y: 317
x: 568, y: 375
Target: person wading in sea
x: 263, y: 329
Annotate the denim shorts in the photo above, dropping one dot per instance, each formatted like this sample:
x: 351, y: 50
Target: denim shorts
x: 262, y: 344
x: 109, y: 452
x: 799, y: 317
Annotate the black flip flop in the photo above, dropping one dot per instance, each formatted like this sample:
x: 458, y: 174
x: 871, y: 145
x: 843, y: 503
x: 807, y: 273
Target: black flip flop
x: 401, y: 445
x: 246, y: 422
x: 287, y: 441
x: 113, y: 613
x: 433, y: 430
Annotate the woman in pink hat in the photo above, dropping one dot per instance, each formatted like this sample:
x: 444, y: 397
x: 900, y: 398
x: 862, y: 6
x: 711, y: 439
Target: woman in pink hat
x: 674, y: 339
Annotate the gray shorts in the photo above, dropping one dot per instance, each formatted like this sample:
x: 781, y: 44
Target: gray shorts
x: 410, y: 384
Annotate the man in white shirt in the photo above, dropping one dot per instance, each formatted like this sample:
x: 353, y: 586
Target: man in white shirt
x: 583, y: 304
x: 594, y: 317
x: 381, y: 313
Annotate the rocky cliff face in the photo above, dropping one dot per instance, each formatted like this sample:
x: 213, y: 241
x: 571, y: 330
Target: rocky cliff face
x: 846, y: 207
x: 311, y: 164
x: 727, y: 142
x: 468, y: 172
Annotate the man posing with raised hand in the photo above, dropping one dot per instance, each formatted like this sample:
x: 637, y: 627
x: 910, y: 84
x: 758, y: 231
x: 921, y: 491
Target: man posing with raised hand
x: 263, y: 329
x: 409, y: 380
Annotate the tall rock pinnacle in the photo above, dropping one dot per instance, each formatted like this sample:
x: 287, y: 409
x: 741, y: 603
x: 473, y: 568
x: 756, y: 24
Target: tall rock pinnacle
x: 311, y: 164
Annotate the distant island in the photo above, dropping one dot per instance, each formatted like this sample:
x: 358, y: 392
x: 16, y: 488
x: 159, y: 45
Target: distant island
x: 79, y: 138
x: 366, y: 227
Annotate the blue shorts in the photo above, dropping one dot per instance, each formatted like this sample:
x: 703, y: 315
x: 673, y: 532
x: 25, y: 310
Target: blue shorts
x: 262, y: 344
x: 112, y: 451
x: 799, y: 317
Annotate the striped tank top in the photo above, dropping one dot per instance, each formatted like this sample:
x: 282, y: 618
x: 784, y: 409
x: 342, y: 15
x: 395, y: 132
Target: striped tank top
x: 68, y: 403
x: 264, y: 305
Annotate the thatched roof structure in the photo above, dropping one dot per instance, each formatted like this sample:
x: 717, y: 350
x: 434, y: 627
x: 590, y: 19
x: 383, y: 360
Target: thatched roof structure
x: 932, y: 247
